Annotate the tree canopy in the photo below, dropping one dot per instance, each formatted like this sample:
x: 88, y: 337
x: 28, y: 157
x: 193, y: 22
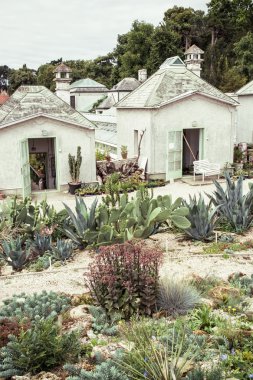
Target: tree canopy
x: 224, y: 32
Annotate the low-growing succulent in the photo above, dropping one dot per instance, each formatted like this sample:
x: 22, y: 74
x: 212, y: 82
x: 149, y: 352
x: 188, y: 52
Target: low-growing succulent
x: 177, y: 297
x: 101, y: 323
x: 42, y: 305
x: 105, y: 371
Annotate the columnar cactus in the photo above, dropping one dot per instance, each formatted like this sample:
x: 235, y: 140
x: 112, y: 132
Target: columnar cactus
x: 74, y: 165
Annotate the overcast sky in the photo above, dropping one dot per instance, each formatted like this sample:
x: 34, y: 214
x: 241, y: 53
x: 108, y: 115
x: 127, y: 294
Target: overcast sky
x: 37, y: 31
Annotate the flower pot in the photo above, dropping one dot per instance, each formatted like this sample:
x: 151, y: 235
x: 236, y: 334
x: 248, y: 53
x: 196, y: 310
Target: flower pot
x: 124, y: 156
x: 73, y: 187
x: 238, y: 165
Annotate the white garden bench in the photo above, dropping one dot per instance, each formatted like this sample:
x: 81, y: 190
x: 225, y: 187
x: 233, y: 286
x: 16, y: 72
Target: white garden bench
x: 205, y: 168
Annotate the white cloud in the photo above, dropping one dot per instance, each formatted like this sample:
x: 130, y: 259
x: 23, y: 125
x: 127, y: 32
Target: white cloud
x: 37, y: 31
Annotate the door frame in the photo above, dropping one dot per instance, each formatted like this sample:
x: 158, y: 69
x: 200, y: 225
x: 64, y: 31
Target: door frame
x: 168, y: 175
x: 25, y: 168
x: 201, y: 149
x: 57, y: 166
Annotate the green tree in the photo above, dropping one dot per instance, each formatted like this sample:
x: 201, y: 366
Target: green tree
x: 187, y: 22
x: 22, y: 76
x: 243, y: 50
x: 165, y: 44
x: 133, y: 49
x: 46, y: 75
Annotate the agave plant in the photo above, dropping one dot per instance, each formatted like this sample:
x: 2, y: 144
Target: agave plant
x: 63, y: 250
x: 14, y: 255
x: 42, y: 243
x: 202, y: 218
x: 82, y: 221
x: 235, y: 207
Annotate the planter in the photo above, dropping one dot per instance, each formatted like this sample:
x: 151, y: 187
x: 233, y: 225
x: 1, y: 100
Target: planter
x: 124, y: 156
x: 238, y: 165
x: 73, y: 187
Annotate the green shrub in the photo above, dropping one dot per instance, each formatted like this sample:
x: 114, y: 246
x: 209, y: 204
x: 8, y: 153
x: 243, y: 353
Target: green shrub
x: 42, y: 305
x: 177, y: 297
x: 124, y: 279
x: 38, y: 349
x: 203, y: 319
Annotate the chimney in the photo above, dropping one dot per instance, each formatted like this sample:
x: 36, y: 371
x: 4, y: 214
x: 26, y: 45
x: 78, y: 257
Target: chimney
x: 142, y: 75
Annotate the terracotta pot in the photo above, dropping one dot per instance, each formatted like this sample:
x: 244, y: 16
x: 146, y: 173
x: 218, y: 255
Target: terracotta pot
x: 73, y: 187
x: 124, y: 156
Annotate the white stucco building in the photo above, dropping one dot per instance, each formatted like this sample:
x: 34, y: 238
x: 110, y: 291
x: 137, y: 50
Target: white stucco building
x: 84, y: 93
x: 244, y: 130
x: 182, y: 117
x: 37, y: 132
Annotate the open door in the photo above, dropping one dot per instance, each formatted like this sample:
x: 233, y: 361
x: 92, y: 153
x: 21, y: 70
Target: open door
x: 25, y: 169
x: 174, y: 155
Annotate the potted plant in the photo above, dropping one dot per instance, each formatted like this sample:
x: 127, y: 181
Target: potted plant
x: 238, y: 158
x: 124, y: 152
x: 107, y: 155
x: 74, y: 170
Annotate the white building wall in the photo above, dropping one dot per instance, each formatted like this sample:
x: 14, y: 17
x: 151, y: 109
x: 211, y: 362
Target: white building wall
x: 85, y: 101
x: 216, y: 118
x: 245, y: 119
x: 68, y: 137
x: 127, y: 122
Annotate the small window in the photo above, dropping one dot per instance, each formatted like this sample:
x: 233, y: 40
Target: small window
x: 63, y: 75
x: 73, y: 101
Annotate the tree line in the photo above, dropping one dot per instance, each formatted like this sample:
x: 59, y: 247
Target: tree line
x: 224, y: 32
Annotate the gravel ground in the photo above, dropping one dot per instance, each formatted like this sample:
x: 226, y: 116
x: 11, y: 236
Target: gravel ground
x: 181, y: 259
x: 68, y: 279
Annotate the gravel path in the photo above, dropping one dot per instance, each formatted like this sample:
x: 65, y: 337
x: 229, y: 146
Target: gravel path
x: 68, y: 279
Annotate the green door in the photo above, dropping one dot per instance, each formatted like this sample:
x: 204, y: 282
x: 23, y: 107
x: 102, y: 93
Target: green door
x: 25, y: 169
x: 174, y: 155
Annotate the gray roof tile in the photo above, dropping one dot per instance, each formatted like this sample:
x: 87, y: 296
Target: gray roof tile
x: 29, y: 101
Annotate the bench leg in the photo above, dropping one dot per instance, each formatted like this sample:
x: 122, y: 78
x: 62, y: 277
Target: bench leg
x: 203, y: 177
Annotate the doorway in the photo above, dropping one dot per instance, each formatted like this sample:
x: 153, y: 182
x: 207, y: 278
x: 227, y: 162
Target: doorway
x: 191, y: 149
x: 42, y: 164
x: 183, y: 147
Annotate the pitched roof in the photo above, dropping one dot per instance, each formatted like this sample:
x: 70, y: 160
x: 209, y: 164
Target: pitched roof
x: 31, y: 101
x: 194, y: 49
x: 86, y: 83
x: 126, y: 84
x: 247, y: 89
x: 169, y: 84
x: 62, y: 68
x: 107, y: 103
